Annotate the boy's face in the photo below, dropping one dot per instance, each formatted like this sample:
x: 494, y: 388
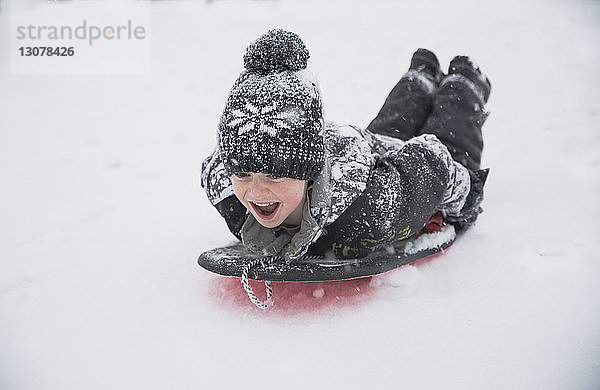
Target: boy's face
x: 272, y: 200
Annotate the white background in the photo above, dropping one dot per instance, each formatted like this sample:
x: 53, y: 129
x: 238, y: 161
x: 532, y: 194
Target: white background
x: 102, y: 217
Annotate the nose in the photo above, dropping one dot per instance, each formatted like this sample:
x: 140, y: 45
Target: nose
x: 258, y: 188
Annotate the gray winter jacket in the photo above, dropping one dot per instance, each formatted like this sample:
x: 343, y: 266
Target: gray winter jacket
x: 373, y: 190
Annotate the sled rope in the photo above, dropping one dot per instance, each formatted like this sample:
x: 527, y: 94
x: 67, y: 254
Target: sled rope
x: 253, y: 298
x: 264, y: 261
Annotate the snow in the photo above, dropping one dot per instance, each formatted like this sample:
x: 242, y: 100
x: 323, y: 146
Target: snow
x: 102, y: 217
x: 319, y: 293
x: 431, y: 240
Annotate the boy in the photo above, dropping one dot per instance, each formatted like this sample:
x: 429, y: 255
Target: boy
x: 290, y: 183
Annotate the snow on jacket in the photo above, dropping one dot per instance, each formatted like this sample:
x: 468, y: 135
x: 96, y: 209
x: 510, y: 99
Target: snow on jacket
x: 372, y: 191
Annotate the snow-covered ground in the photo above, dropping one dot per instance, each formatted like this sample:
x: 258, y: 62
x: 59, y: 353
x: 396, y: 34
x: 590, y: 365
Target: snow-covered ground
x: 102, y: 217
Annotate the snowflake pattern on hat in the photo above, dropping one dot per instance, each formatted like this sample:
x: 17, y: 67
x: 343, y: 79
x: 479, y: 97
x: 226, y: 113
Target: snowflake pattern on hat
x: 266, y: 119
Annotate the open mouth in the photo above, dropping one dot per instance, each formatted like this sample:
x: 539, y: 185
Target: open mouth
x: 266, y: 210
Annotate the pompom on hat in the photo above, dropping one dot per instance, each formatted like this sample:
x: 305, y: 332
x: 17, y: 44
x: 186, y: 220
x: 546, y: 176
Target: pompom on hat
x: 273, y: 119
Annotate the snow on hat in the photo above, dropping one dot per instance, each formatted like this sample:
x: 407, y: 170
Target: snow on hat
x: 273, y: 119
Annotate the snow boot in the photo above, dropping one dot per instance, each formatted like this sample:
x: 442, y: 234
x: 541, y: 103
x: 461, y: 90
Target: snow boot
x: 462, y: 65
x: 426, y: 62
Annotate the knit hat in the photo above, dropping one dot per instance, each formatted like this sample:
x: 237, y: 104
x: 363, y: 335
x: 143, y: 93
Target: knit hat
x: 273, y: 118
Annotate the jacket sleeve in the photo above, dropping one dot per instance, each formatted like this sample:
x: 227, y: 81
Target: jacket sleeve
x: 219, y: 189
x: 472, y: 207
x: 407, y: 185
x: 458, y: 184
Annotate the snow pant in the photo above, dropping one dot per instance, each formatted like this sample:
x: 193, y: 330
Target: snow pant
x: 453, y: 112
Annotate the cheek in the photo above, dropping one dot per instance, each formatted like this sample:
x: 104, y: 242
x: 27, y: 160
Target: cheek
x: 239, y: 190
x: 291, y: 196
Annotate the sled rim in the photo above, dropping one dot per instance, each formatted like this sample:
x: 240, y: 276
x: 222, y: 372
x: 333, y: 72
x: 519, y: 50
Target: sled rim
x: 310, y: 271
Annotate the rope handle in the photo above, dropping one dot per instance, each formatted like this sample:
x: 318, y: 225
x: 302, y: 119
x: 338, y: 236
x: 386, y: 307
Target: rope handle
x: 264, y: 261
x: 253, y: 298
